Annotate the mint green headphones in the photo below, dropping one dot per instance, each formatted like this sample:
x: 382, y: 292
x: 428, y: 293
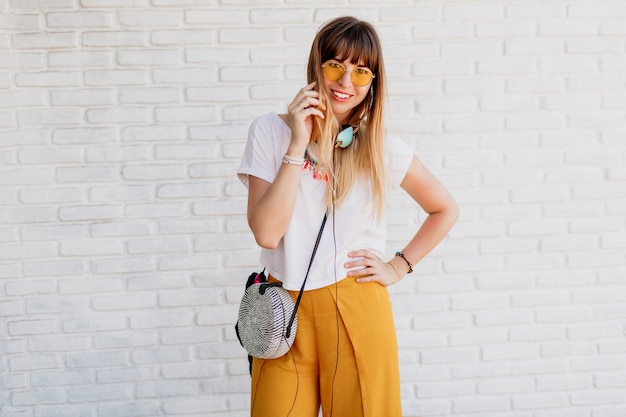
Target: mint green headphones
x: 345, y: 137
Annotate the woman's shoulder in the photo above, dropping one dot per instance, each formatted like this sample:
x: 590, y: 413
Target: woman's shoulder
x: 269, y: 130
x: 269, y: 120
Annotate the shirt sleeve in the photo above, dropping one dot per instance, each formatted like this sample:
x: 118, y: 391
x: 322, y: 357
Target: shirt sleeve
x: 259, y: 156
x: 398, y: 156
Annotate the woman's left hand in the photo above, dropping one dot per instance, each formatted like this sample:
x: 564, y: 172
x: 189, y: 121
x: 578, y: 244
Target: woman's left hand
x: 371, y: 268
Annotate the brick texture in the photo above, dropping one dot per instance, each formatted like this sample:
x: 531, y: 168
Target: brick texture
x: 123, y: 238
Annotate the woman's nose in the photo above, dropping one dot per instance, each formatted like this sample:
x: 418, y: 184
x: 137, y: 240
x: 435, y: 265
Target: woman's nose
x: 346, y: 78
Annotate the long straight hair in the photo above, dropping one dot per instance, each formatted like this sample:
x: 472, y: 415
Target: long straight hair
x: 347, y: 38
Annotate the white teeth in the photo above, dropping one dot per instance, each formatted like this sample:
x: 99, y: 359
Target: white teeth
x: 341, y: 95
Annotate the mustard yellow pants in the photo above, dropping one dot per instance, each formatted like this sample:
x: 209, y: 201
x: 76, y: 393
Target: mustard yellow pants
x: 344, y: 358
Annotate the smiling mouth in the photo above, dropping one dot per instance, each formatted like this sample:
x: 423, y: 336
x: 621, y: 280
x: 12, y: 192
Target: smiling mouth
x: 340, y: 95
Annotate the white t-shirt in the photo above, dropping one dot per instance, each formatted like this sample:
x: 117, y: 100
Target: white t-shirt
x: 351, y: 227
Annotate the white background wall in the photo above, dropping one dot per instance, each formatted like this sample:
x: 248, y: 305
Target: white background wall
x: 123, y: 240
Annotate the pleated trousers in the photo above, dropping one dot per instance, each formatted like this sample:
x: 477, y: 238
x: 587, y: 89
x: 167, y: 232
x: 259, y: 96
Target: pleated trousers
x: 344, y: 358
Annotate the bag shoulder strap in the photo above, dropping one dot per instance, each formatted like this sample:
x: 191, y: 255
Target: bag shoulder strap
x: 317, y: 243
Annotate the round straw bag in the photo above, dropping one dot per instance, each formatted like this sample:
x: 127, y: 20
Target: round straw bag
x: 267, y: 322
x: 264, y: 315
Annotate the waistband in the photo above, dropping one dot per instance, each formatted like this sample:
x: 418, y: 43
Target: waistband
x: 344, y: 282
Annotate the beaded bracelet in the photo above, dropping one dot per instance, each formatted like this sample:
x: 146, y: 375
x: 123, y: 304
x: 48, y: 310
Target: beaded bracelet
x: 400, y: 254
x: 290, y: 160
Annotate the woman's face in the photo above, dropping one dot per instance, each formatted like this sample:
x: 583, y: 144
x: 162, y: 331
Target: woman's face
x: 344, y: 94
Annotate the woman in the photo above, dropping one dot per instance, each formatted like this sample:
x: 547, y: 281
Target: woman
x: 299, y: 166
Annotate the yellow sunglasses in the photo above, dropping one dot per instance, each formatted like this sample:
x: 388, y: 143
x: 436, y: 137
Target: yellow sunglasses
x: 360, y: 76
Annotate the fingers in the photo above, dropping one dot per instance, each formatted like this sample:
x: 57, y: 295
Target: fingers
x: 367, y: 263
x: 306, y: 106
x: 301, y: 99
x: 306, y: 102
x: 370, y: 268
x: 363, y: 253
x: 301, y: 103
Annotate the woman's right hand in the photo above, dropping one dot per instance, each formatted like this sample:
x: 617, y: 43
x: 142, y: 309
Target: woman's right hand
x: 305, y: 105
x: 271, y: 205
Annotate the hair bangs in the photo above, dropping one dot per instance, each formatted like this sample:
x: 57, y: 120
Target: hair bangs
x: 353, y: 43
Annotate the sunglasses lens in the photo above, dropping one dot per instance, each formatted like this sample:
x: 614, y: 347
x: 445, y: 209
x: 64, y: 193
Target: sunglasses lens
x: 333, y: 71
x: 361, y: 77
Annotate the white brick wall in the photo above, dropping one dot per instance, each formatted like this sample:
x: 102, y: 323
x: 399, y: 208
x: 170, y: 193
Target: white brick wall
x: 123, y: 239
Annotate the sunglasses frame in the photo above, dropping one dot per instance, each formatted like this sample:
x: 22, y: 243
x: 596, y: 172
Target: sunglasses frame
x: 352, y: 76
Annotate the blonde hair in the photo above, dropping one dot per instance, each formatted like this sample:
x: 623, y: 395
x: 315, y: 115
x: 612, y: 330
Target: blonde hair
x: 347, y: 38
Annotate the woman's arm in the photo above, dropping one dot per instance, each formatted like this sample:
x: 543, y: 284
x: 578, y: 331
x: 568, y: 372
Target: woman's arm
x: 442, y: 211
x: 271, y: 205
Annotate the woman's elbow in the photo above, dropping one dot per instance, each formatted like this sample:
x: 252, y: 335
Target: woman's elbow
x: 451, y: 213
x: 448, y: 213
x: 266, y: 242
x: 455, y: 211
x: 264, y: 237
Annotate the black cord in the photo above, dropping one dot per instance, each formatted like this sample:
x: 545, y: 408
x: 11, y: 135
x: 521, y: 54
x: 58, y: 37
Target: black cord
x: 295, y: 366
x: 332, y: 390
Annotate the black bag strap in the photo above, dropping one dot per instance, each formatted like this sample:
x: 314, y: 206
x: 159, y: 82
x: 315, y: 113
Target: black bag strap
x: 295, y: 309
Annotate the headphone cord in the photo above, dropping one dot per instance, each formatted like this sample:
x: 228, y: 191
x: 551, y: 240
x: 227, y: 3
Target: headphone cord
x: 295, y: 366
x: 332, y: 391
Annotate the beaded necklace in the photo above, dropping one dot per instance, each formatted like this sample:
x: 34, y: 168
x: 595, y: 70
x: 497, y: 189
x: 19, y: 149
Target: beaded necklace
x: 311, y: 164
x: 344, y: 138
